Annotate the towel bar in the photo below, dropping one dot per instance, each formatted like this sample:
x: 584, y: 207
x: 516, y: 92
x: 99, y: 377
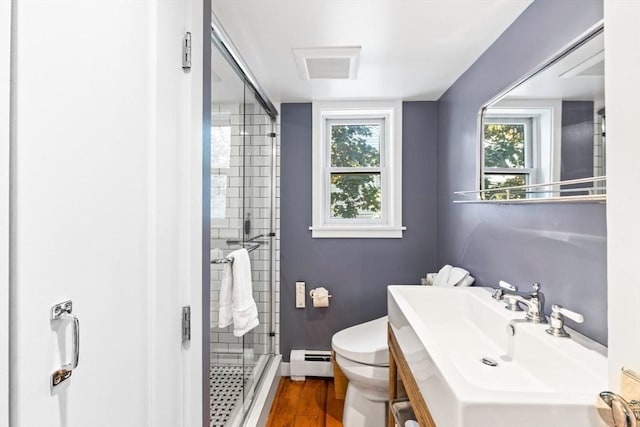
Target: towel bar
x: 229, y: 260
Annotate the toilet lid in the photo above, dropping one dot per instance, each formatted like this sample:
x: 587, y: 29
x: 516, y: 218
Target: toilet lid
x: 364, y: 343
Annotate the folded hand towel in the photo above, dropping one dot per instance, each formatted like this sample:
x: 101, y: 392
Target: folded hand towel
x: 467, y: 281
x: 245, y: 312
x: 453, y: 276
x: 443, y: 276
x: 456, y: 276
x: 225, y: 310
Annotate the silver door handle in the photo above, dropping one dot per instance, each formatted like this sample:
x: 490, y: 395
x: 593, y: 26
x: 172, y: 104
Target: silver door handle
x: 62, y: 311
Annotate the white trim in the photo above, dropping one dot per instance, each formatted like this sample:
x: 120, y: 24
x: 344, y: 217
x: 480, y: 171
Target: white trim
x: 195, y: 399
x: 285, y: 369
x: 5, y: 191
x: 549, y: 114
x: 390, y: 227
x: 358, y: 232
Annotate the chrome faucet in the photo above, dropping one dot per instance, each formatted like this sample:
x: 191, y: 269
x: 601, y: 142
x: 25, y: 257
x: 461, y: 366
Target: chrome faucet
x: 534, y: 301
x: 558, y: 313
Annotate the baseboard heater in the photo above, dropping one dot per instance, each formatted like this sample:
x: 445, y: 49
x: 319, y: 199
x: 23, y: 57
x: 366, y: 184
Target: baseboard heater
x: 310, y: 363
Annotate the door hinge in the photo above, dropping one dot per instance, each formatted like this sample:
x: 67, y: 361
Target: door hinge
x: 186, y: 323
x: 186, y: 51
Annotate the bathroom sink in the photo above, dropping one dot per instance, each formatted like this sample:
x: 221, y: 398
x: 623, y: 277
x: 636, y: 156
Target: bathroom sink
x: 473, y: 372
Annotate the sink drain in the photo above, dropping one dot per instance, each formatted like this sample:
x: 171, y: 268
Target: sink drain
x: 489, y: 362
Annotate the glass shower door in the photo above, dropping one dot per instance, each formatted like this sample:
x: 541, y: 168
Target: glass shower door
x: 257, y: 229
x: 242, y: 182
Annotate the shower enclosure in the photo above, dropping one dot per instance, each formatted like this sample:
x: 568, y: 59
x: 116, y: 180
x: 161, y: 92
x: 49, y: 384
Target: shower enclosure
x: 242, y: 216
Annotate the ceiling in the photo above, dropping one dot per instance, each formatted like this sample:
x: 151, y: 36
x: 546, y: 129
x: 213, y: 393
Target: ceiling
x: 577, y: 76
x: 411, y: 49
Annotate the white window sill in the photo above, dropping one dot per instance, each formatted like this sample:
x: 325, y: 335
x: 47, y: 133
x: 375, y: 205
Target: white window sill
x: 359, y: 232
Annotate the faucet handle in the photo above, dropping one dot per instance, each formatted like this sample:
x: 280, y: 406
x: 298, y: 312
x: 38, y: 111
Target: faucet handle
x: 576, y: 317
x: 536, y: 287
x: 508, y: 286
x: 556, y: 320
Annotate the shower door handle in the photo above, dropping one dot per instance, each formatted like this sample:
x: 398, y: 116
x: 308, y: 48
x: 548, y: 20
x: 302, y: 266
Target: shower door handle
x: 59, y: 312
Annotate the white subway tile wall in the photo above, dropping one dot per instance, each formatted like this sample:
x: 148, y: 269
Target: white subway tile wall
x: 241, y: 192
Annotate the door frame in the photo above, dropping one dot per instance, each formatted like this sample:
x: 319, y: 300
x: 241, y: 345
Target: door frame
x: 204, y: 160
x: 5, y: 191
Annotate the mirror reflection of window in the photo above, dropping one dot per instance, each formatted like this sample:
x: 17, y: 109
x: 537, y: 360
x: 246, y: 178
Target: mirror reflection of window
x: 508, y: 159
x: 521, y: 143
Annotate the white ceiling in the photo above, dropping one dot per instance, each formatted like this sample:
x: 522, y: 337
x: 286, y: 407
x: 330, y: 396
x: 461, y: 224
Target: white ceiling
x: 557, y: 81
x: 411, y: 49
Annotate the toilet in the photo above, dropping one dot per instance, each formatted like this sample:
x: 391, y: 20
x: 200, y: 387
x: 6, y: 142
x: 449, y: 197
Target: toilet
x: 363, y: 355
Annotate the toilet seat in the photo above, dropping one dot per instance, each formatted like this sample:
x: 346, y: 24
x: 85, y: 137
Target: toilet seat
x: 365, y: 343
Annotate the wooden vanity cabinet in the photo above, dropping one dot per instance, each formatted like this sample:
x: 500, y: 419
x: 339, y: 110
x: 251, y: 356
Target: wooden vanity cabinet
x: 402, y: 384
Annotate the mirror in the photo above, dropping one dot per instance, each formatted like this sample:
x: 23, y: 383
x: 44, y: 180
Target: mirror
x: 543, y: 139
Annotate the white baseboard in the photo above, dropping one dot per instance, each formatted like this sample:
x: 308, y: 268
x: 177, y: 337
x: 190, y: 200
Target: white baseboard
x: 285, y: 369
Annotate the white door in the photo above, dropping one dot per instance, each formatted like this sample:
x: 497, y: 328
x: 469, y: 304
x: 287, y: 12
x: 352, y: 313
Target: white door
x: 5, y: 80
x: 622, y: 84
x: 106, y: 196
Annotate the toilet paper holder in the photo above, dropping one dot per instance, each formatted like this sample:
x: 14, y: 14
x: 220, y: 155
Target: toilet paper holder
x: 320, y: 296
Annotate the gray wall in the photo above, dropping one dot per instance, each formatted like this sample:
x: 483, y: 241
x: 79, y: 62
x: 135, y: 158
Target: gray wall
x: 561, y: 246
x: 356, y: 271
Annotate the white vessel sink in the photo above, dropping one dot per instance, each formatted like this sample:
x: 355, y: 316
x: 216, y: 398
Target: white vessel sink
x: 539, y: 380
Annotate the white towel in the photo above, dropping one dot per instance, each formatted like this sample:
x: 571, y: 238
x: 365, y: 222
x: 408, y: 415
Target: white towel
x: 245, y: 312
x: 453, y: 276
x: 236, y: 295
x: 225, y: 311
x: 456, y: 276
x: 443, y: 276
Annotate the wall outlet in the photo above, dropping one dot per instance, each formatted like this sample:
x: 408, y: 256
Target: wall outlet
x: 300, y: 294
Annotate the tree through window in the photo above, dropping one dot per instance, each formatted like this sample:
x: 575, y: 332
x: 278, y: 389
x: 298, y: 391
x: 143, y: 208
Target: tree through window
x: 507, y: 156
x: 355, y: 170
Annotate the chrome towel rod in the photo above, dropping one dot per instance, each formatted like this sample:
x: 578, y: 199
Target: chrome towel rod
x: 229, y: 260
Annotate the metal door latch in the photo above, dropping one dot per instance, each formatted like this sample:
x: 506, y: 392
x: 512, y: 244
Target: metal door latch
x: 186, y: 323
x: 59, y: 312
x: 186, y: 51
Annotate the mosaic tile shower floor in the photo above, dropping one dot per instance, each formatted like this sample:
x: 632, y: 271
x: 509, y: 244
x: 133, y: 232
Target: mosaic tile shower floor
x: 226, y: 385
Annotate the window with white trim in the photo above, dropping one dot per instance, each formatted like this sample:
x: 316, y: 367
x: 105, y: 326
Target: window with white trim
x: 357, y: 170
x: 521, y: 146
x: 510, y: 153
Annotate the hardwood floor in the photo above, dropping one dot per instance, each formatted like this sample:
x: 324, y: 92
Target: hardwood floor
x: 310, y: 403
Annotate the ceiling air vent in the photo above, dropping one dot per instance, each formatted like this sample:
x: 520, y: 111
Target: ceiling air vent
x: 327, y: 62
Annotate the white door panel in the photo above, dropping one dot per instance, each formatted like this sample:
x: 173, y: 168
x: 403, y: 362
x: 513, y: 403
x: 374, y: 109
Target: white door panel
x: 99, y: 185
x: 5, y: 108
x: 622, y: 86
x: 81, y: 209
